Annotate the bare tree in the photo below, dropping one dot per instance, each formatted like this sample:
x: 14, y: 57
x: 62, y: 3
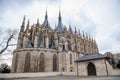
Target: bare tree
x: 5, y: 43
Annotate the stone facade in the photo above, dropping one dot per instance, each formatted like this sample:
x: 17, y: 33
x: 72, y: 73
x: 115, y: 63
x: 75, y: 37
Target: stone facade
x: 102, y: 68
x: 43, y: 49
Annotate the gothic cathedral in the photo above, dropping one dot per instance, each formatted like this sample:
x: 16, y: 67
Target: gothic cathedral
x: 40, y: 48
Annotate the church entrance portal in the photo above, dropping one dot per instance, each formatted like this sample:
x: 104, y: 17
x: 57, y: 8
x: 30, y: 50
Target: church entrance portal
x: 91, y: 69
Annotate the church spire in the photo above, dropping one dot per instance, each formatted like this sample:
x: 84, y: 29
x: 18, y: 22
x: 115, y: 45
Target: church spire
x: 46, y: 19
x: 46, y: 16
x: 38, y: 22
x: 86, y: 36
x: 89, y: 38
x: 59, y: 19
x: 23, y: 23
x: 70, y: 29
x: 79, y: 32
x: 75, y: 30
x: 60, y: 25
x: 83, y: 35
x: 28, y: 24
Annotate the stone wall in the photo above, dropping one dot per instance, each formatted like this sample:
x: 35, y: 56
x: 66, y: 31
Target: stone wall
x: 62, y: 60
x: 101, y: 68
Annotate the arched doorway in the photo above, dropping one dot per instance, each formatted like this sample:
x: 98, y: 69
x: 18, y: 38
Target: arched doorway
x: 27, y: 63
x: 54, y: 63
x: 41, y: 67
x: 91, y: 69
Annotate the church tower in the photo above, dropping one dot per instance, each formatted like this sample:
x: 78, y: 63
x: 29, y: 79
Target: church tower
x: 21, y: 34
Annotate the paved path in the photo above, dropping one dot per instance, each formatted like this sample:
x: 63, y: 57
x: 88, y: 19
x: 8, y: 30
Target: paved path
x: 66, y: 78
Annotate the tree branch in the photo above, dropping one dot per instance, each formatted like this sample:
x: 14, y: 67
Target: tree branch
x: 7, y: 44
x: 11, y: 35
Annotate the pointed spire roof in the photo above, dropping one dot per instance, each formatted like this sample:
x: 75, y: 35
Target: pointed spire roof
x: 46, y: 20
x: 79, y: 32
x: 46, y: 16
x: 38, y: 21
x: 75, y: 30
x: 86, y: 35
x: 59, y: 15
x: 70, y: 29
x: 60, y: 25
x: 83, y: 34
x: 94, y: 41
x: 89, y: 38
x: 28, y: 24
x: 23, y: 23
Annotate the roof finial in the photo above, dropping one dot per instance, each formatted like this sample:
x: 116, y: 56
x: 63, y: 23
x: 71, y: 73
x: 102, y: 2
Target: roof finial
x: 38, y: 22
x: 28, y: 24
x: 83, y: 34
x: 79, y: 32
x: 70, y: 29
x: 86, y: 35
x: 59, y: 9
x: 59, y: 14
x: 46, y: 16
x: 89, y: 37
x: 94, y: 40
x: 75, y: 30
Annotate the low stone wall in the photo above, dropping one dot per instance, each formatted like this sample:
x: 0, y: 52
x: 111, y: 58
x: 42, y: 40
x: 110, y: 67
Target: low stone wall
x: 115, y: 72
x: 39, y: 74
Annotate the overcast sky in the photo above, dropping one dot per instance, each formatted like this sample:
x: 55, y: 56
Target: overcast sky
x: 99, y: 18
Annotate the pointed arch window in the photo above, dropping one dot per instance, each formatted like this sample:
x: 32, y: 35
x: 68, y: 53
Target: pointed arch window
x: 41, y: 40
x: 41, y: 67
x: 51, y: 43
x: 69, y: 46
x: 54, y: 62
x: 27, y: 62
x: 70, y: 59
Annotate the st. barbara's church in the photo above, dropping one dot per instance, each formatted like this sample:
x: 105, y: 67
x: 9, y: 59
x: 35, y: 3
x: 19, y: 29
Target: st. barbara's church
x: 40, y: 48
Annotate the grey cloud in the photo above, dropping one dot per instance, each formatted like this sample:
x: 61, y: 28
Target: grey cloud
x: 103, y: 18
x: 115, y: 34
x: 88, y: 25
x: 50, y: 1
x: 12, y: 5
